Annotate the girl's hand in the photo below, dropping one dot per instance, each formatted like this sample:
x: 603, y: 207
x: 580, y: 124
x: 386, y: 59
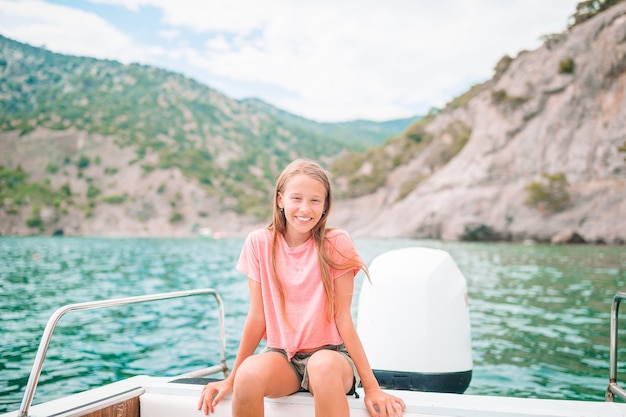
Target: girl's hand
x: 381, y: 404
x: 212, y: 393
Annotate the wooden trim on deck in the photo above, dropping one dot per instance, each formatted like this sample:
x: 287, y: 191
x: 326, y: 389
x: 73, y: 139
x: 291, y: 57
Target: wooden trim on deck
x: 128, y: 408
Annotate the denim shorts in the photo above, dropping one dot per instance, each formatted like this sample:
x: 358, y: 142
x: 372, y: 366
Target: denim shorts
x: 300, y: 359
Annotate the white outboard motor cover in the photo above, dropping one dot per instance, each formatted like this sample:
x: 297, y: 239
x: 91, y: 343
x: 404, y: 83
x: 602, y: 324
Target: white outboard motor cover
x: 413, y: 320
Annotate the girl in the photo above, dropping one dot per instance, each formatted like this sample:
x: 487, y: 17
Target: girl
x: 301, y: 280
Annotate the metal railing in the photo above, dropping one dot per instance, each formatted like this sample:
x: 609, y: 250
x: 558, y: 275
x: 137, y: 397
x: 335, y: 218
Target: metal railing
x: 613, y: 388
x: 56, y: 316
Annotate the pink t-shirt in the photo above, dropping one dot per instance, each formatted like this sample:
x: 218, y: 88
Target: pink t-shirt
x: 305, y: 301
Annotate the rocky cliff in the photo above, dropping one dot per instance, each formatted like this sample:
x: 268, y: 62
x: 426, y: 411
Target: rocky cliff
x: 550, y: 121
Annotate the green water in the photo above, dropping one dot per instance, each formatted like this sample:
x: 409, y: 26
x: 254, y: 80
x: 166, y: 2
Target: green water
x: 539, y: 314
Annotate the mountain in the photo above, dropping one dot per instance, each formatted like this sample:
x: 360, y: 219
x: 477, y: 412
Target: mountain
x: 363, y: 133
x: 538, y: 152
x: 92, y: 146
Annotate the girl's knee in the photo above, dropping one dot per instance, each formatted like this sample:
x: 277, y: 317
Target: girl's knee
x: 325, y: 361
x: 328, y: 368
x: 248, y: 376
x: 267, y: 374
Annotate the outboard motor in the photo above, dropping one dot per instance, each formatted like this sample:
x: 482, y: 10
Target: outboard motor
x: 413, y: 320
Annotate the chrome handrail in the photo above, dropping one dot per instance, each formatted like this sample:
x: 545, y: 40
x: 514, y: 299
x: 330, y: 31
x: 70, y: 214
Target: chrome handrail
x: 613, y: 388
x: 56, y: 316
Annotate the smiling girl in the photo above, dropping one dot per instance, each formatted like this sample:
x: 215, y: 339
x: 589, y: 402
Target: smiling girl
x: 301, y: 281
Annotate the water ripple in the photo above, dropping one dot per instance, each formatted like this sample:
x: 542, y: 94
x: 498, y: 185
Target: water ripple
x: 540, y: 314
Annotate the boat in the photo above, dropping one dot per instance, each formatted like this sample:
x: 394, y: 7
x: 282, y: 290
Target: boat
x: 431, y: 385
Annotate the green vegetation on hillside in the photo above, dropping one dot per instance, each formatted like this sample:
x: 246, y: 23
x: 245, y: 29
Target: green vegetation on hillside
x: 363, y: 173
x: 566, y: 66
x: 16, y: 193
x: 587, y: 9
x: 187, y: 125
x: 367, y: 171
x: 550, y: 193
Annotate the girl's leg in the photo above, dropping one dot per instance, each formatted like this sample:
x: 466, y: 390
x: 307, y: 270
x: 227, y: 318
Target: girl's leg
x: 330, y: 378
x: 264, y: 375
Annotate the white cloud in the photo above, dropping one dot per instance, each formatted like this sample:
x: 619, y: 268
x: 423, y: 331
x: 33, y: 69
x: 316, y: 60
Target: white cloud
x: 65, y: 30
x: 169, y: 34
x: 134, y: 5
x: 327, y: 60
x: 366, y: 57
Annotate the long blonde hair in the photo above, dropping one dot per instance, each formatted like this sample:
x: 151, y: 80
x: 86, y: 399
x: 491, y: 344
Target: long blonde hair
x: 278, y: 226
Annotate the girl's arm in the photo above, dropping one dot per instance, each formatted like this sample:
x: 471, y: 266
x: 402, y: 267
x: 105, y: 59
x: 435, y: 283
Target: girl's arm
x: 378, y: 403
x: 253, y: 331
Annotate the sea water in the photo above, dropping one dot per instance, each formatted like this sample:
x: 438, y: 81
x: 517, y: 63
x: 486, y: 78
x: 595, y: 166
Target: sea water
x: 540, y: 314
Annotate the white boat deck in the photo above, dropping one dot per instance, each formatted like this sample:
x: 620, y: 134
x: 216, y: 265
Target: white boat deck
x: 161, y: 398
x: 182, y: 399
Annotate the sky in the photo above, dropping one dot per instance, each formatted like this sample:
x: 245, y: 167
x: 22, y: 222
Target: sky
x: 326, y: 60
